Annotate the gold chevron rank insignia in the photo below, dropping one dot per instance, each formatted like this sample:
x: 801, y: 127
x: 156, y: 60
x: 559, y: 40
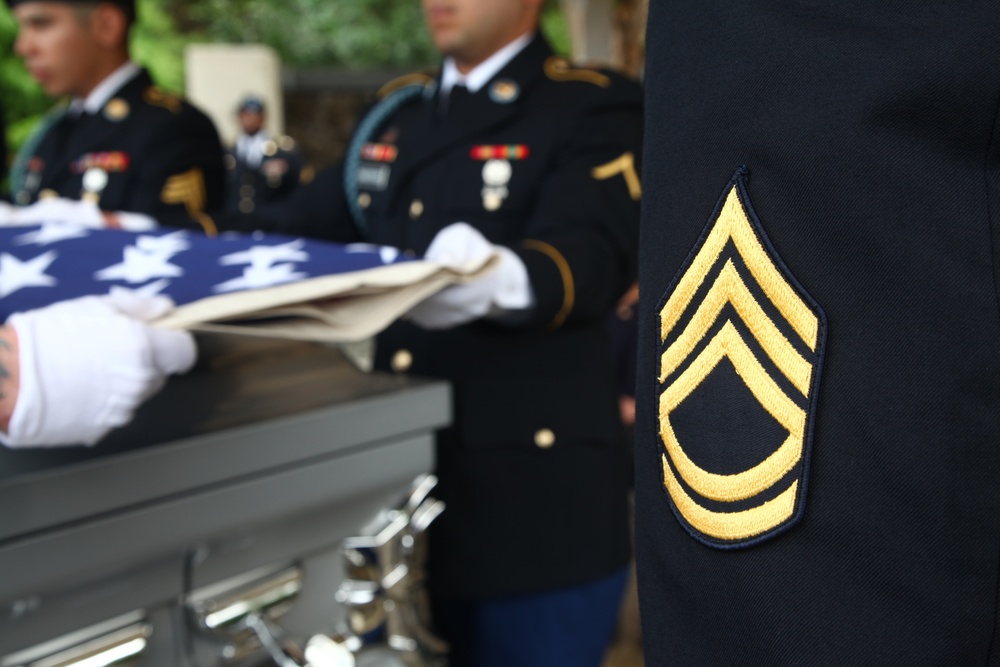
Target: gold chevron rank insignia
x: 741, y: 345
x: 188, y: 189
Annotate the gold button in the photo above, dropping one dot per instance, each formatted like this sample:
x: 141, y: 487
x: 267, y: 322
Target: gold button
x: 246, y: 191
x: 269, y: 148
x: 364, y: 200
x: 545, y: 438
x: 246, y: 205
x: 416, y: 209
x: 48, y: 194
x: 402, y: 361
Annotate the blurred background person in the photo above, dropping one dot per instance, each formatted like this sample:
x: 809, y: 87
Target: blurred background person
x: 262, y: 169
x: 123, y: 152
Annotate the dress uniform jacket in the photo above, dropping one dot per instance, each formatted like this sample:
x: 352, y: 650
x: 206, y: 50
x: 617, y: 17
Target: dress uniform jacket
x: 159, y: 156
x: 532, y: 470
x: 818, y: 469
x: 274, y: 179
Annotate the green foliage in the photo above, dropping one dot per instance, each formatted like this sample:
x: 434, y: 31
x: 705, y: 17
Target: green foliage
x: 556, y: 29
x: 322, y: 32
x: 158, y: 46
x: 23, y: 100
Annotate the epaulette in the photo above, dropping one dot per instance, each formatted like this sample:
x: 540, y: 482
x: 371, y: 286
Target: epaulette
x: 416, y: 78
x: 558, y: 68
x: 157, y: 97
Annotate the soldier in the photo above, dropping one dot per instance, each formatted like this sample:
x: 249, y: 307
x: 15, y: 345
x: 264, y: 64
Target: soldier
x: 123, y: 152
x: 262, y: 169
x: 536, y: 160
x: 819, y: 408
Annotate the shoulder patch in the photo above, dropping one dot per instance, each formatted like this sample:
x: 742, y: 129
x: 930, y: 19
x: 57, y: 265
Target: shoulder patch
x: 157, y: 97
x: 740, y: 352
x: 417, y: 78
x: 558, y: 68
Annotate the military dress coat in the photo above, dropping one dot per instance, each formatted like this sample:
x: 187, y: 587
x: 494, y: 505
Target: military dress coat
x: 274, y: 179
x: 146, y: 151
x: 544, y: 160
x: 818, y: 456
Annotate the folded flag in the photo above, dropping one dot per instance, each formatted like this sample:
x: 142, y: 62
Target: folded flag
x: 268, y: 283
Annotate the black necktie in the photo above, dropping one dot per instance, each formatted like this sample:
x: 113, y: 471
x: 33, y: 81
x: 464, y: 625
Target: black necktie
x: 455, y: 100
x: 71, y: 125
x: 62, y: 132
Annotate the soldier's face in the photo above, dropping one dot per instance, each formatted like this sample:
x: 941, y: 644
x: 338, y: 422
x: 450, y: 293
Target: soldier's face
x: 57, y: 46
x: 251, y: 121
x: 472, y: 30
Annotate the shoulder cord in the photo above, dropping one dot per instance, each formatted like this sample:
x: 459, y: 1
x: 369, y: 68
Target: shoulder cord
x: 371, y: 122
x: 19, y: 170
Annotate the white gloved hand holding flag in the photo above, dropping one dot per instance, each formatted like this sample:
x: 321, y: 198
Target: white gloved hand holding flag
x: 503, y: 291
x: 86, y: 364
x: 74, y: 212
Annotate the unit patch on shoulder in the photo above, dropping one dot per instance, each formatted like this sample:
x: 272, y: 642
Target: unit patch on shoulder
x: 740, y: 353
x: 417, y: 78
x: 158, y: 97
x: 558, y: 68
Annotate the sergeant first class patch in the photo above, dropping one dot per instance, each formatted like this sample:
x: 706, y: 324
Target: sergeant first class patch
x: 740, y: 351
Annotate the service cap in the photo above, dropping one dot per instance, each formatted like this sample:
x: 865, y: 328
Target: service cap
x: 251, y: 103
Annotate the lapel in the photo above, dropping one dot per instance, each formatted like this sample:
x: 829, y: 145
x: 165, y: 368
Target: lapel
x: 98, y: 132
x: 433, y: 136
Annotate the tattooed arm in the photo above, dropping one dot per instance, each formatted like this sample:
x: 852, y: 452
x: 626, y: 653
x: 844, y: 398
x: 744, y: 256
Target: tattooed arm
x: 9, y: 375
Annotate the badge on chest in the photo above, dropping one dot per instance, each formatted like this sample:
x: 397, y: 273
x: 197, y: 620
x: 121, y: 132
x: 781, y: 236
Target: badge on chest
x: 497, y: 171
x: 375, y: 169
x: 95, y: 168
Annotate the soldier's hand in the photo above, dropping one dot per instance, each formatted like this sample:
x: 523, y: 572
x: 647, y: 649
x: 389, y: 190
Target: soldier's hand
x: 503, y: 290
x: 82, y: 213
x: 85, y: 365
x: 58, y: 209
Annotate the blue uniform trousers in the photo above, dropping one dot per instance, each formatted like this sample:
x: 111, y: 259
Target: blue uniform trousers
x: 567, y: 627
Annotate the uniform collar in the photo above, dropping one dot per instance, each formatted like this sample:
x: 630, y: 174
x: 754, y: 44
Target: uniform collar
x: 484, y: 71
x: 250, y: 148
x: 105, y: 90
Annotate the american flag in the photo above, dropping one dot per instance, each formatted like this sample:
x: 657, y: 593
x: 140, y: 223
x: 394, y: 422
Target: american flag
x: 43, y: 264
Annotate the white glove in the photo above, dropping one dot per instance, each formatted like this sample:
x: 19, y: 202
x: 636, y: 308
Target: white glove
x: 59, y: 209
x: 133, y: 222
x: 500, y: 292
x: 87, y: 364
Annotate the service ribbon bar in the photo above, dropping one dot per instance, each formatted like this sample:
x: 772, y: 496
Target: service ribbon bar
x: 508, y: 152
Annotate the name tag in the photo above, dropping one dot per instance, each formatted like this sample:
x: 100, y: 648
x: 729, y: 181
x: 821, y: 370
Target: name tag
x: 373, y: 176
